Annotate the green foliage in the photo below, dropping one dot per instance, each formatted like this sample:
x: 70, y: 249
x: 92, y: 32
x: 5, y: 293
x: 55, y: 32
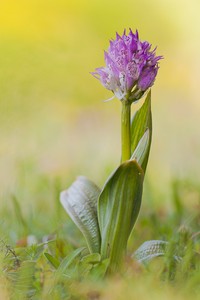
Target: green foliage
x: 31, y: 271
x: 150, y: 249
x: 55, y: 263
x: 19, y: 215
x: 80, y: 202
x: 118, y: 208
x: 142, y: 150
x: 141, y: 121
x: 120, y: 199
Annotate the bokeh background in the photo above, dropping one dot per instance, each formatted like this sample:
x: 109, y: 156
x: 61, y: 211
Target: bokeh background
x: 53, y: 121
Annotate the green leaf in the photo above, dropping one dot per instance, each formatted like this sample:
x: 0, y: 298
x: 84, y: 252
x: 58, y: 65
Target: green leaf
x: 99, y: 270
x: 80, y: 202
x: 118, y: 208
x: 142, y: 148
x: 153, y: 248
x: 19, y: 215
x: 53, y: 261
x: 66, y: 262
x: 142, y: 120
x: 65, y: 271
x: 22, y: 279
x: 92, y: 258
x: 87, y: 263
x: 150, y: 249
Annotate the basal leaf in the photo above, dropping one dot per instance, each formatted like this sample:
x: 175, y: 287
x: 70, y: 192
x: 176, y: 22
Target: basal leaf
x: 80, y: 202
x: 142, y: 120
x: 149, y: 250
x: 118, y: 208
x: 153, y: 248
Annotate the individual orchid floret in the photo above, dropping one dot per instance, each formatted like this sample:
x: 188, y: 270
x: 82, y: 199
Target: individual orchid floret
x: 131, y: 67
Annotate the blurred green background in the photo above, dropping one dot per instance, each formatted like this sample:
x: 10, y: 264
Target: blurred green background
x: 53, y: 121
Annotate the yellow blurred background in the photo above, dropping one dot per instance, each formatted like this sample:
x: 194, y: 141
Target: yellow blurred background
x: 53, y: 119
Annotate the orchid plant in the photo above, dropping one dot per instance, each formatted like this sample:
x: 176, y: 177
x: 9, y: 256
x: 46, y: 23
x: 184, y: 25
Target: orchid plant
x: 107, y: 216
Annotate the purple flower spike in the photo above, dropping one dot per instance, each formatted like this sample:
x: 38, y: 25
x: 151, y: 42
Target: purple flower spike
x: 131, y: 67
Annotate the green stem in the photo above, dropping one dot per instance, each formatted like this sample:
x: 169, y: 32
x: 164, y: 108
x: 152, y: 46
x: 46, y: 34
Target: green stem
x: 126, y: 130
